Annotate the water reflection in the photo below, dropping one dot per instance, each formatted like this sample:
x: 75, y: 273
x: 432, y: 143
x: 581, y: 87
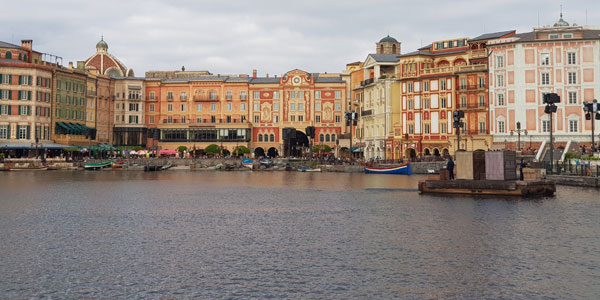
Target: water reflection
x: 287, y: 235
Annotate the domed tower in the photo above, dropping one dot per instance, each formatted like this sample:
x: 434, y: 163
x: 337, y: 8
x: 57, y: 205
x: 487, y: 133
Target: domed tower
x: 388, y: 45
x: 561, y: 22
x: 104, y: 63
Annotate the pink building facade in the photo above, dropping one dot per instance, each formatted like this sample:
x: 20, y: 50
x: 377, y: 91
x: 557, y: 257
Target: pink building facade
x: 561, y: 59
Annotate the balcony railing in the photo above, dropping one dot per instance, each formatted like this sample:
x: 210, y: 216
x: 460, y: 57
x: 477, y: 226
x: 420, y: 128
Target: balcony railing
x: 445, y: 69
x: 471, y: 87
x: 479, y: 53
x: 205, y: 98
x: 367, y: 82
x: 203, y: 121
x: 408, y: 74
x: 473, y: 68
x: 366, y: 113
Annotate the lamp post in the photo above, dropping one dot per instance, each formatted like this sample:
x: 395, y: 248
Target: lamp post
x: 592, y: 112
x: 351, y: 117
x: 458, y: 124
x: 550, y: 100
x: 518, y: 131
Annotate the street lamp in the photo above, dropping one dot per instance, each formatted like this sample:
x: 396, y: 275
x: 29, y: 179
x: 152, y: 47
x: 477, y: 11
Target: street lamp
x: 592, y: 112
x: 518, y: 131
x: 550, y: 100
x: 458, y: 124
x: 351, y: 117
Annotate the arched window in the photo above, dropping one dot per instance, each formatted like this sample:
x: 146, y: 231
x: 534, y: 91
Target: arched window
x: 327, y: 138
x: 333, y: 137
x: 25, y: 57
x: 8, y: 55
x: 20, y: 57
x: 272, y: 137
x: 321, y: 138
x: 381, y: 49
x: 260, y: 137
x: 393, y: 49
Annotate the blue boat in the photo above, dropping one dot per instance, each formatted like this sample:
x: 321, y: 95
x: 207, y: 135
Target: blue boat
x: 248, y: 163
x: 398, y: 170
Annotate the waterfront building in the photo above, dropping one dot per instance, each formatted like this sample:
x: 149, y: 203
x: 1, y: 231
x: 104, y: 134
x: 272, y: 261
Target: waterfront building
x: 104, y: 63
x: 562, y: 59
x: 128, y: 108
x: 379, y: 71
x: 25, y: 99
x: 357, y: 76
x: 69, y: 109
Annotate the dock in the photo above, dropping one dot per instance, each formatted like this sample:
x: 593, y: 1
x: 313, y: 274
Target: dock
x: 489, y: 187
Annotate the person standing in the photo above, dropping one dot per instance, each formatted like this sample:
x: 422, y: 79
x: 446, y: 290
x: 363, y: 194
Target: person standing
x: 522, y: 165
x: 450, y: 167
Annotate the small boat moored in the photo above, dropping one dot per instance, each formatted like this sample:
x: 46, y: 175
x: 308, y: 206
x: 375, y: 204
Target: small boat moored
x: 248, y: 163
x: 398, y: 170
x: 97, y: 166
x: 309, y: 170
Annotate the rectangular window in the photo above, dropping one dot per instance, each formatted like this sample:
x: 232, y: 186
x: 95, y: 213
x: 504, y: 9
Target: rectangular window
x: 338, y: 107
x: 183, y: 108
x: 275, y: 106
x: 183, y: 96
x: 4, y: 109
x: 3, y: 132
x: 317, y: 119
x: 169, y: 119
x: 152, y: 95
x: 256, y: 107
x: 23, y: 110
x: 292, y: 107
x: 151, y: 119
x: 318, y: 95
x: 571, y: 60
x: 300, y: 95
x: 292, y: 95
x: 411, y: 128
x: 463, y: 101
x: 481, y: 81
x: 212, y: 95
x: 545, y: 59
x: 443, y: 127
x: 481, y: 100
x: 500, y: 80
x: 242, y: 95
x: 256, y: 119
x: 228, y: 95
x: 4, y: 94
x: 151, y: 107
x: 572, y: 77
x: 567, y: 35
x: 463, y: 83
x: 243, y: 107
x: 301, y: 118
x: 426, y: 103
x: 199, y: 107
x: 22, y: 132
x: 443, y: 102
x: 410, y: 103
x: 572, y: 125
x: 501, y: 126
x: 545, y: 78
x: 293, y: 118
x: 545, y: 125
x: 338, y: 94
x: 300, y: 107
x: 170, y: 96
x: 500, y: 61
x: 553, y: 36
x: 318, y: 107
x: 228, y: 106
x: 443, y: 84
x: 256, y: 95
x: 213, y: 107
x: 426, y: 85
x: 426, y: 129
x: 500, y: 99
x: 482, y: 127
x: 169, y: 107
x: 572, y: 97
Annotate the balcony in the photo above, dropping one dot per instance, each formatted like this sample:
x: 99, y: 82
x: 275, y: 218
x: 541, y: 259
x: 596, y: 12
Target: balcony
x: 479, y: 53
x: 472, y: 68
x: 438, y: 70
x: 408, y: 74
x: 367, y: 82
x: 471, y: 87
x: 366, y: 113
x: 205, y: 98
x: 174, y: 121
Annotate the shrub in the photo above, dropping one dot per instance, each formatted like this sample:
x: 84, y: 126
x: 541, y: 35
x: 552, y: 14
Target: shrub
x: 239, y: 150
x: 181, y: 149
x: 571, y: 155
x: 212, y: 148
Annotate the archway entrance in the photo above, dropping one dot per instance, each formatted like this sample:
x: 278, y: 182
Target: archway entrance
x: 295, y: 142
x: 446, y: 152
x: 436, y: 152
x: 226, y: 152
x: 411, y: 153
x: 259, y: 152
x: 272, y: 152
x: 427, y: 152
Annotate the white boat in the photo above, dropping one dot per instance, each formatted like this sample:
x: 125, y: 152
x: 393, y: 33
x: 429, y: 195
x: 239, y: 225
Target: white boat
x: 309, y: 170
x: 248, y: 163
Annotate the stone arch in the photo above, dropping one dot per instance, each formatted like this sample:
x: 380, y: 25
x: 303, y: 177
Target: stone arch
x: 436, y: 151
x: 459, y: 61
x: 445, y: 152
x: 8, y: 55
x: 411, y: 153
x: 443, y: 63
x: 427, y: 151
x: 259, y: 152
x: 272, y: 152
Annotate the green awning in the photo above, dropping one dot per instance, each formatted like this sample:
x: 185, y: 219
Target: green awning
x: 63, y: 125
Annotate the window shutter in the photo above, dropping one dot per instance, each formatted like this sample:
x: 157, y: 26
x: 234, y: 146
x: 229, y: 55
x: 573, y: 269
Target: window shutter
x: 18, y: 127
x: 9, y: 110
x: 20, y: 79
x: 9, y: 95
x: 29, y: 82
x: 29, y: 95
x: 8, y: 133
x: 9, y: 79
x: 29, y: 110
x: 28, y: 132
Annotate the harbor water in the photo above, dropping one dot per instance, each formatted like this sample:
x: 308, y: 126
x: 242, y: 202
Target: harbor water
x: 289, y: 235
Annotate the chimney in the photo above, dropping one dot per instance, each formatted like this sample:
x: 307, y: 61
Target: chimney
x: 182, y: 68
x: 70, y: 65
x: 254, y: 73
x: 27, y: 44
x: 267, y: 75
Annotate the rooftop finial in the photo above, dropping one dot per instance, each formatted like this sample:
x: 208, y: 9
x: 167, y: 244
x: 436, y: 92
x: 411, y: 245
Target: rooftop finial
x: 561, y: 11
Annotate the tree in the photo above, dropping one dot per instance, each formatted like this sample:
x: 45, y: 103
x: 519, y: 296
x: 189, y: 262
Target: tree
x: 213, y: 149
x: 240, y: 150
x: 321, y: 148
x: 181, y: 149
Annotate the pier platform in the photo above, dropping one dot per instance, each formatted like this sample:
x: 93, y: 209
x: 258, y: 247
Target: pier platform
x: 489, y: 187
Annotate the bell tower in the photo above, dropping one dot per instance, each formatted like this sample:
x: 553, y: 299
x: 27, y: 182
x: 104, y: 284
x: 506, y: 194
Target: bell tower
x: 388, y: 45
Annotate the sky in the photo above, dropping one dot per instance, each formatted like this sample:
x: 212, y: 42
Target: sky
x: 273, y: 37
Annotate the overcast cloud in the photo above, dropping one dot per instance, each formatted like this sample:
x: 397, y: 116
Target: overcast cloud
x: 231, y: 37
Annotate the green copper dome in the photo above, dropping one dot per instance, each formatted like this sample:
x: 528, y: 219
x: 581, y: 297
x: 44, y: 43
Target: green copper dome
x: 388, y: 39
x: 102, y: 44
x: 561, y: 22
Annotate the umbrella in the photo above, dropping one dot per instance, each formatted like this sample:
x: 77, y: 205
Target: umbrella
x: 167, y: 152
x: 142, y: 152
x: 132, y: 152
